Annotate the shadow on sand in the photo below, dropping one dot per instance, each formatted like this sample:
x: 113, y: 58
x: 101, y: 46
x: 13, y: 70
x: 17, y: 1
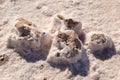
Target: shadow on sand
x: 24, y: 49
x: 32, y: 57
x: 28, y: 54
x: 107, y: 53
x: 79, y: 68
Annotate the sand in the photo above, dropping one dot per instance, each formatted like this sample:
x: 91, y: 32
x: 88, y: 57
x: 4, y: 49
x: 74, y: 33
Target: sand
x: 95, y: 15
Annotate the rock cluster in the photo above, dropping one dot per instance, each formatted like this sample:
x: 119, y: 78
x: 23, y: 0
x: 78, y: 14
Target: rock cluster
x: 63, y: 43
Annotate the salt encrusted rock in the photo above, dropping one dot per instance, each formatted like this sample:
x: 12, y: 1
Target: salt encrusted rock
x: 66, y: 48
x: 98, y: 41
x: 29, y: 38
x: 27, y: 30
x: 30, y: 44
x: 23, y: 26
x: 55, y: 24
x: 59, y: 23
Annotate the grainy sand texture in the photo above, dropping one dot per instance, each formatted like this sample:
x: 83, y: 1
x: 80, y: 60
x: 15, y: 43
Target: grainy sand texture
x: 95, y: 15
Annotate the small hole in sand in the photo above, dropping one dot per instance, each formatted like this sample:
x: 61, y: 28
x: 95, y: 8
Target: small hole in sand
x: 45, y: 79
x: 2, y: 59
x: 41, y: 66
x: 58, y: 55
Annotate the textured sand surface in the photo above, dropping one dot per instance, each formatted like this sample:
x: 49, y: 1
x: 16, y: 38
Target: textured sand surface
x: 95, y: 15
